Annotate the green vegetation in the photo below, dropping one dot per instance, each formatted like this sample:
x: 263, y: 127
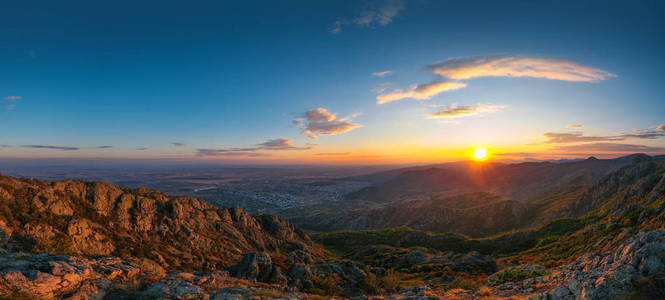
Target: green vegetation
x: 516, y: 274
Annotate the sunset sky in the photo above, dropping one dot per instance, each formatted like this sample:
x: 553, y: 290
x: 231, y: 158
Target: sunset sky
x: 331, y: 81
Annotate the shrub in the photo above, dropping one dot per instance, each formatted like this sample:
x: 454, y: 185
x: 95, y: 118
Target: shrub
x: 464, y: 283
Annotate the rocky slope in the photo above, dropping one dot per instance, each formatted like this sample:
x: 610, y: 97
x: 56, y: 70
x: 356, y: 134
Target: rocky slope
x: 98, y: 219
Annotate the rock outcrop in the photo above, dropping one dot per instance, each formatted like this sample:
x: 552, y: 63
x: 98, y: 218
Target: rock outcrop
x: 637, y: 269
x: 98, y: 219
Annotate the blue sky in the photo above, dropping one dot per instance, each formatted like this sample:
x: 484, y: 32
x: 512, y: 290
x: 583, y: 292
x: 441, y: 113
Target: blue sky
x: 231, y: 78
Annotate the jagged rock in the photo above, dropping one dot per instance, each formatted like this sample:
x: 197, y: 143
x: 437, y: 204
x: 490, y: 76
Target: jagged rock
x: 5, y: 234
x: 258, y: 266
x: 635, y: 268
x: 179, y: 232
x: 88, y: 241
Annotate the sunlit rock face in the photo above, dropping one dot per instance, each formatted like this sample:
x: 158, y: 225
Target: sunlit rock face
x: 98, y: 219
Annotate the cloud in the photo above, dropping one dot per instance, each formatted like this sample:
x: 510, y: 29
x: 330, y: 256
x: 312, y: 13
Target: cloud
x: 332, y: 153
x: 515, y: 66
x: 12, y: 98
x: 269, y: 145
x: 104, y: 147
x: 661, y: 127
x: 576, y: 137
x: 65, y: 148
x: 280, y: 144
x: 579, y: 137
x: 177, y: 144
x: 142, y: 148
x: 455, y: 69
x: 610, y: 147
x: 319, y: 122
x: 381, y: 87
x: 465, y: 111
x: 381, y: 74
x: 227, y: 152
x: 574, y: 126
x: 376, y: 13
x: 420, y: 92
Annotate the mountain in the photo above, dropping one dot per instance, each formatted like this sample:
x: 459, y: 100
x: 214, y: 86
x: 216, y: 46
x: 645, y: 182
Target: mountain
x: 474, y: 214
x: 475, y: 199
x: 97, y: 219
x: 91, y: 240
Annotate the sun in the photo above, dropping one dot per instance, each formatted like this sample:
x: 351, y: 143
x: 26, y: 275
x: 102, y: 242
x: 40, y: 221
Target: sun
x: 480, y: 153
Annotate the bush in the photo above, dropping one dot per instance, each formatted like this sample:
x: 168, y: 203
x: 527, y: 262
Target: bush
x: 515, y: 274
x: 464, y: 283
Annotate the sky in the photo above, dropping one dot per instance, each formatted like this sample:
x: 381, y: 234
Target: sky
x: 331, y: 81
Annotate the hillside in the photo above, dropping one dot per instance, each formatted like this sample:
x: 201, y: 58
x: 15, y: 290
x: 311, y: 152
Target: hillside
x: 496, y: 197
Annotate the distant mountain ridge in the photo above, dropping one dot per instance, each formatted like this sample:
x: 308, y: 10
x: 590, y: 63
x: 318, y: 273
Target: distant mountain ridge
x: 505, y: 196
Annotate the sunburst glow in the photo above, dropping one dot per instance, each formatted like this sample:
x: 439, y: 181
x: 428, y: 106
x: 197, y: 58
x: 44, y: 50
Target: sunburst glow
x: 480, y: 153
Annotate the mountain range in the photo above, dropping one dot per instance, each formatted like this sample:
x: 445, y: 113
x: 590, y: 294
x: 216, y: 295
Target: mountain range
x: 589, y: 229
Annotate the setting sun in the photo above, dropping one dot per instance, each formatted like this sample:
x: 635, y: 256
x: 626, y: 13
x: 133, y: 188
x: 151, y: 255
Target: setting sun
x: 480, y: 153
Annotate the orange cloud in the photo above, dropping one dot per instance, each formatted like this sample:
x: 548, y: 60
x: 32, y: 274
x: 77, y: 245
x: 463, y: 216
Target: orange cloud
x: 465, y: 111
x: 421, y: 91
x: 319, y: 122
x: 515, y: 66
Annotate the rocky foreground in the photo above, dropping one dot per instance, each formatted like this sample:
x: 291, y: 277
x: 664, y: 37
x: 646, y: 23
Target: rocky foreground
x: 636, y: 270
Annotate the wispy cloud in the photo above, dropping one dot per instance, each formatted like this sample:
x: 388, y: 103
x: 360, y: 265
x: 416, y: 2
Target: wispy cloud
x: 609, y: 148
x: 661, y: 127
x: 280, y: 144
x: 375, y: 13
x: 575, y: 137
x: 65, y: 148
x: 178, y: 144
x: 420, y: 91
x: 332, y: 153
x: 269, y: 145
x: 104, y: 147
x: 381, y: 74
x: 461, y: 68
x: 574, y: 126
x: 579, y: 137
x: 228, y: 152
x: 516, y: 66
x: 12, y: 98
x: 453, y: 111
x: 381, y: 87
x: 142, y: 148
x: 319, y: 122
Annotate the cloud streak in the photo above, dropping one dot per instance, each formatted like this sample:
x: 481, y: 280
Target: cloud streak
x: 64, y: 148
x: 609, y: 148
x: 12, y: 98
x: 376, y: 13
x: 453, y: 111
x: 318, y: 122
x: 515, y: 66
x: 269, y: 145
x: 381, y: 74
x: 461, y: 68
x: 574, y: 126
x: 177, y: 144
x: 420, y: 91
x: 579, y: 137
